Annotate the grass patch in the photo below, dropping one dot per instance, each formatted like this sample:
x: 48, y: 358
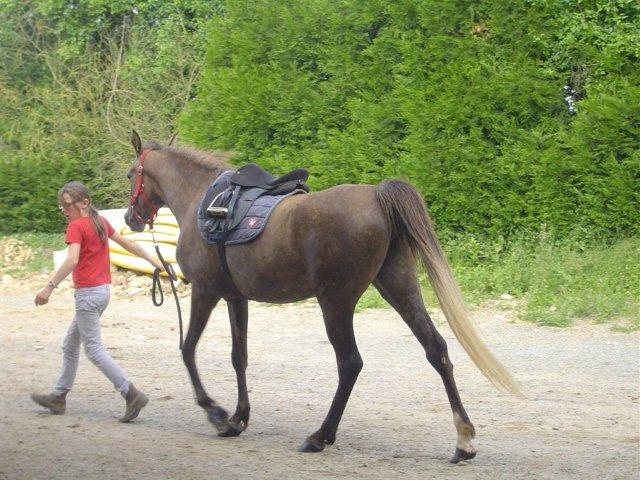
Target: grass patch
x: 598, y: 283
x: 371, y: 298
x: 560, y: 281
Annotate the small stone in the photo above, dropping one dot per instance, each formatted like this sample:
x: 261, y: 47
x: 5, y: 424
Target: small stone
x: 506, y: 296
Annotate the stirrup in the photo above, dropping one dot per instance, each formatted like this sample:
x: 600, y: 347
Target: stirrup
x: 219, y: 212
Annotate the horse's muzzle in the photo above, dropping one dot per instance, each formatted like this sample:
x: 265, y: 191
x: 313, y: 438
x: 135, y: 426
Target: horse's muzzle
x: 130, y: 220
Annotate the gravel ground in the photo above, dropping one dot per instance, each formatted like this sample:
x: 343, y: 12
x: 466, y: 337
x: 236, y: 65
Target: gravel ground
x: 579, y: 419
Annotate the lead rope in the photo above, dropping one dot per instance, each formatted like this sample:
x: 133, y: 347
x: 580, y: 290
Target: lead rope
x: 157, y: 286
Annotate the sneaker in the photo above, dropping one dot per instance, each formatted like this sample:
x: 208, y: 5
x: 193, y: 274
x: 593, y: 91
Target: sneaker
x: 55, y: 403
x: 136, y: 401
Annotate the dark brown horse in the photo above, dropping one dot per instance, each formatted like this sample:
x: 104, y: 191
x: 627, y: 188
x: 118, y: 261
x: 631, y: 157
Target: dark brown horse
x: 330, y: 245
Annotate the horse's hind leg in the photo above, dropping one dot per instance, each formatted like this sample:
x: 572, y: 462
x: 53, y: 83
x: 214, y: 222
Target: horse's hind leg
x: 238, y: 317
x: 202, y: 303
x: 338, y: 319
x: 398, y: 283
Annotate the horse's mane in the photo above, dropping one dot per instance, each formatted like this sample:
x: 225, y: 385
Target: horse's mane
x: 214, y: 160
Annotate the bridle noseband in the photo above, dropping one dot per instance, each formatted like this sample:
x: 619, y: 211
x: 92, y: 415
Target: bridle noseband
x: 139, y: 193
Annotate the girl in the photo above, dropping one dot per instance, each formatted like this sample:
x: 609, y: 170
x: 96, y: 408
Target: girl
x: 88, y: 260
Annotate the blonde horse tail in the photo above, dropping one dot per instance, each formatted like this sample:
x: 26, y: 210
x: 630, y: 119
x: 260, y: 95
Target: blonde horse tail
x: 406, y: 212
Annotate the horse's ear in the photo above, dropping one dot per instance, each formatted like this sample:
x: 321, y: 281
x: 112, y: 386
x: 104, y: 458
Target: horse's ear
x: 173, y: 139
x: 136, y: 142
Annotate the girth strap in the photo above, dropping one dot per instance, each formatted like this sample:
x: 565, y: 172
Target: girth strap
x: 224, y: 266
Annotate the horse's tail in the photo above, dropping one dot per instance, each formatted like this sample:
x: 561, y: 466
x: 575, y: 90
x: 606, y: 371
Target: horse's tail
x: 406, y: 212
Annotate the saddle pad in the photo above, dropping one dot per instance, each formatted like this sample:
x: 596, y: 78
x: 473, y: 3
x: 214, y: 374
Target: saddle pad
x: 256, y: 218
x: 246, y: 229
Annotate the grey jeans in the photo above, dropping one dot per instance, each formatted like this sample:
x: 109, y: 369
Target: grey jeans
x: 85, y: 330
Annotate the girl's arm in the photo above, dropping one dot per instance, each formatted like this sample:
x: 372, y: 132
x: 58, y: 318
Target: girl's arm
x: 136, y: 249
x: 65, y: 269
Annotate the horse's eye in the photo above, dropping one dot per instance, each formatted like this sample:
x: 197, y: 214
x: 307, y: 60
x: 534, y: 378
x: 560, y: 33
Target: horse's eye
x: 129, y: 175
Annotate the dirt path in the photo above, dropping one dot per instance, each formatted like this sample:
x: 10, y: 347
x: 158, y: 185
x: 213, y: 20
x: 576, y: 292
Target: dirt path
x: 579, y: 421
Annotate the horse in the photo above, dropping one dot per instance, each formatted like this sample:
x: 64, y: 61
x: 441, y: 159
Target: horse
x: 330, y: 245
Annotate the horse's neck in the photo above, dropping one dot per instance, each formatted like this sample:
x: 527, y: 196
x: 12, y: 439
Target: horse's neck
x: 183, y: 185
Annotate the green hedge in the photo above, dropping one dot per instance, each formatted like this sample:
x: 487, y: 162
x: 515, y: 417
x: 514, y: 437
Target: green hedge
x: 75, y: 79
x: 464, y: 99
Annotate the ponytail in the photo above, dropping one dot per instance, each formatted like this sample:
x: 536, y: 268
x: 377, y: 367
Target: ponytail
x: 95, y: 218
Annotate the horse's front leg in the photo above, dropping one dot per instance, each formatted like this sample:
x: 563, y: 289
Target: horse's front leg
x: 238, y: 317
x: 202, y: 303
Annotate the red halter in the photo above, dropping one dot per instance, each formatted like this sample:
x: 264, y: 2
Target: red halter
x: 138, y: 192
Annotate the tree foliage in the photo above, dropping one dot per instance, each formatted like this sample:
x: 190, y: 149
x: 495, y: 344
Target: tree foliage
x: 76, y: 78
x: 464, y: 99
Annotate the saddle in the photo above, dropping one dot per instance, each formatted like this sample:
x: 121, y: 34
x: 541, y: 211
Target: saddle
x: 252, y: 175
x: 237, y: 205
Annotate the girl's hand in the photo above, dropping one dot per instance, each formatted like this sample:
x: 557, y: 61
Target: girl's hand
x: 43, y: 295
x: 158, y: 264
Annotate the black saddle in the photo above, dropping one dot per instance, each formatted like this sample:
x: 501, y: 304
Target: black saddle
x: 229, y: 198
x: 251, y: 175
x: 235, y: 192
x: 237, y: 205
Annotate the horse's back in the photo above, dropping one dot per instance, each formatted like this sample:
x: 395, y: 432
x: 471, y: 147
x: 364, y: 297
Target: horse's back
x: 314, y: 241
x: 337, y: 218
x: 342, y: 205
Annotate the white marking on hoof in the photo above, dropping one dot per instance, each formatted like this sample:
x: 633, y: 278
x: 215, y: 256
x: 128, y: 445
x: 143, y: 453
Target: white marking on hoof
x: 465, y: 433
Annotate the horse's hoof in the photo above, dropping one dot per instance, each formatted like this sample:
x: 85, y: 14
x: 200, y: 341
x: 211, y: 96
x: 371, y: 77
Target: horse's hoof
x: 219, y: 417
x: 461, y: 455
x: 234, y: 428
x: 311, y: 445
x: 231, y: 431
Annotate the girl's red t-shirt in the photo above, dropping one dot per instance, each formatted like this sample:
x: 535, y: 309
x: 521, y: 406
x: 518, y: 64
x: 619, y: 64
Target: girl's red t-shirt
x: 93, y: 265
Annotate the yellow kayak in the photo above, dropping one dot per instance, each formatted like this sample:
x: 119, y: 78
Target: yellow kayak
x: 157, y: 228
x: 138, y: 264
x: 166, y: 232
x: 146, y: 237
x: 167, y: 250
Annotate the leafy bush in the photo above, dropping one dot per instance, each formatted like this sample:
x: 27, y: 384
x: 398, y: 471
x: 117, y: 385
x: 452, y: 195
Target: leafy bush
x: 560, y: 280
x: 467, y: 103
x: 75, y: 78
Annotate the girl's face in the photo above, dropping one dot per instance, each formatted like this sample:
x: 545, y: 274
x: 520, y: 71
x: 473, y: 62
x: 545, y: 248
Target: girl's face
x: 73, y: 210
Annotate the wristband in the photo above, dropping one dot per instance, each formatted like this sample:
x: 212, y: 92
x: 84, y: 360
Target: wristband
x: 51, y: 284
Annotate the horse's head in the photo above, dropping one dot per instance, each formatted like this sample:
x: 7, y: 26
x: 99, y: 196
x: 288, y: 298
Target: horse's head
x: 145, y: 193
